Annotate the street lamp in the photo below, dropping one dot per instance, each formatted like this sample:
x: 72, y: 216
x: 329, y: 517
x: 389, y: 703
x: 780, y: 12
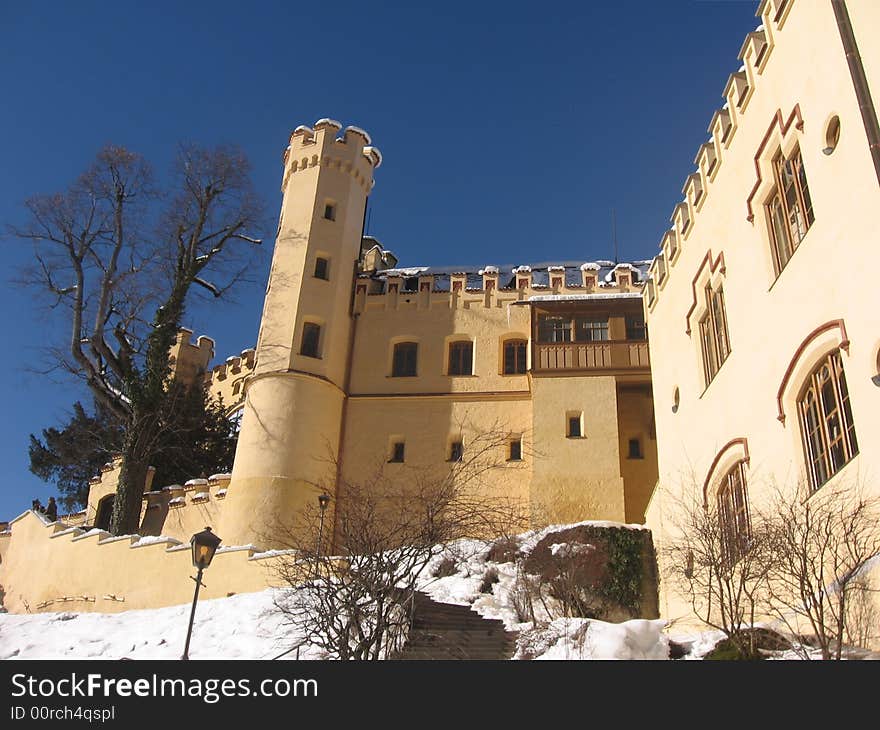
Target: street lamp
x: 204, y: 545
x: 323, y: 501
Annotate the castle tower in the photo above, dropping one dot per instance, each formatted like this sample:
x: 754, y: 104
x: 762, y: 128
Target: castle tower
x: 292, y: 419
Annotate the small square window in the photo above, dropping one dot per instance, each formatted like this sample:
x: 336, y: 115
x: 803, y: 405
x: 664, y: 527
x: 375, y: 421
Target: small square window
x: 456, y: 451
x: 635, y: 449
x: 574, y: 427
x: 322, y: 268
x: 330, y: 212
x: 397, y: 452
x: 515, y: 450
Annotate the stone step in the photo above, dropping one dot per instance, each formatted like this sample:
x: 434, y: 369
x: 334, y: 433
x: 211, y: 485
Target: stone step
x: 447, y: 631
x: 446, y: 655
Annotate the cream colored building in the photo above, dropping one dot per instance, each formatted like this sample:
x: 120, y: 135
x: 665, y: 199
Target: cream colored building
x: 362, y: 364
x: 763, y: 312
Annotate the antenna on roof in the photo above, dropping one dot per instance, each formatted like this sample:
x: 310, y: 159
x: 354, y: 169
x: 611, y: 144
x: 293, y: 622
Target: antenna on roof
x: 614, y: 235
x: 369, y: 215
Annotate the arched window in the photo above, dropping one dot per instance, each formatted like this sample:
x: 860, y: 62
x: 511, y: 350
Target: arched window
x: 789, y: 208
x: 827, y: 429
x: 733, y: 515
x: 514, y: 357
x: 714, y: 339
x: 104, y: 512
x: 405, y: 359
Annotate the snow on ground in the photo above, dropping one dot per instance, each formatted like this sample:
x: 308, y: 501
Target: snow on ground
x: 248, y: 626
x: 560, y: 638
x: 245, y: 626
x: 580, y: 638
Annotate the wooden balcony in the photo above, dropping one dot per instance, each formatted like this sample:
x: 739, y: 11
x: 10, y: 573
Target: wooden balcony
x: 602, y: 355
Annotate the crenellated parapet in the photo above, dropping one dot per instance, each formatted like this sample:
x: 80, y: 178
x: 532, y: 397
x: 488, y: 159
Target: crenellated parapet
x: 491, y: 285
x: 351, y: 153
x: 189, y: 360
x: 87, y: 569
x: 226, y: 380
x: 742, y: 84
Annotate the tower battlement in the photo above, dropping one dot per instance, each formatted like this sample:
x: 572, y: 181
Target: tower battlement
x: 320, y: 144
x: 741, y: 86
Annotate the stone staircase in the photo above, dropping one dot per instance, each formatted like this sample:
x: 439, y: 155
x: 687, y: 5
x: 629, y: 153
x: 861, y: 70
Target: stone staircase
x: 448, y: 631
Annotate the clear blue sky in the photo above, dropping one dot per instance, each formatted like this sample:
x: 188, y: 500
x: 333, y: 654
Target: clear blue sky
x: 509, y: 130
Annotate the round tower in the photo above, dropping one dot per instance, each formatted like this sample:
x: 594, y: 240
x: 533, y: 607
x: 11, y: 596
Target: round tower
x: 288, y: 443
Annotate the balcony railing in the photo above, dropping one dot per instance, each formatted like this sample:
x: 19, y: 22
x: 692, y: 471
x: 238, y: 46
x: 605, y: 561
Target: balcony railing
x: 602, y: 355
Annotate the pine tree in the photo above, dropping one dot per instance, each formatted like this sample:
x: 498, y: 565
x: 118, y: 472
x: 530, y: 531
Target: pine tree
x: 196, y: 438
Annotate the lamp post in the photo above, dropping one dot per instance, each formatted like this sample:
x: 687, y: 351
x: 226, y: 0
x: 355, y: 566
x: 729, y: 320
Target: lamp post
x: 323, y: 501
x: 204, y: 545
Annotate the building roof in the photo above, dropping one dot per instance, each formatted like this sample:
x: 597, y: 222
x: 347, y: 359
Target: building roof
x: 507, y: 273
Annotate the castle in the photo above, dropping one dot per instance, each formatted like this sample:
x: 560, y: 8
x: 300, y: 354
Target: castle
x: 746, y: 353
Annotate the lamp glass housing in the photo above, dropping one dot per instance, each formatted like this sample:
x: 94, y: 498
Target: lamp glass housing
x: 204, y: 545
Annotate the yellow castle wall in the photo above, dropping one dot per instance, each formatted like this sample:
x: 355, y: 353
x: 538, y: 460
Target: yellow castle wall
x: 93, y: 572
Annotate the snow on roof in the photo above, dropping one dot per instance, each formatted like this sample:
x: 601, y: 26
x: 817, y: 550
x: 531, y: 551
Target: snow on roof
x: 410, y: 271
x: 488, y: 270
x: 524, y: 268
x: 589, y: 266
x: 155, y: 540
x: 581, y: 297
x: 236, y: 548
x: 370, y: 150
x: 362, y: 132
x: 331, y: 122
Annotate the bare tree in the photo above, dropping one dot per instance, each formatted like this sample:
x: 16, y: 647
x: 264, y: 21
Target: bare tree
x: 722, y: 574
x: 121, y: 261
x: 354, y: 602
x: 822, y: 544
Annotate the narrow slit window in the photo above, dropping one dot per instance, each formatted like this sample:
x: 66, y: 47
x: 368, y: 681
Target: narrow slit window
x: 514, y: 357
x: 310, y: 340
x: 635, y: 449
x: 515, y: 452
x: 398, y: 450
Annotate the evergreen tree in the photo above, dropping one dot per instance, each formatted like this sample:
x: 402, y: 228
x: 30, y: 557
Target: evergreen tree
x: 72, y: 455
x: 195, y: 438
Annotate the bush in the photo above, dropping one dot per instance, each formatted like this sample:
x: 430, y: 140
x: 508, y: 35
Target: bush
x: 445, y: 568
x: 490, y: 578
x: 504, y: 550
